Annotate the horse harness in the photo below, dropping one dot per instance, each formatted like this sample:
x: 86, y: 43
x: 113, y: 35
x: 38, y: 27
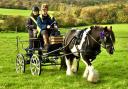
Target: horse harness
x: 88, y: 50
x: 77, y: 41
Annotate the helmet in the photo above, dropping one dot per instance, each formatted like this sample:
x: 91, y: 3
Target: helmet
x: 44, y: 6
x: 35, y: 8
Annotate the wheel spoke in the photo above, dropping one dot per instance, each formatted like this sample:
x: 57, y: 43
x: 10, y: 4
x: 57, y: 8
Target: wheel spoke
x: 20, y: 64
x: 35, y: 65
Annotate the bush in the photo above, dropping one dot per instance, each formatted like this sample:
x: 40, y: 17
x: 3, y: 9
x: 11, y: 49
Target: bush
x: 88, y: 14
x: 12, y: 23
x: 68, y: 15
x: 66, y: 20
x: 122, y: 17
x: 107, y: 14
x: 3, y: 17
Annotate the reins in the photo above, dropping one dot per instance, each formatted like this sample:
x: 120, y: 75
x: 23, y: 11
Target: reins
x: 96, y: 41
x: 78, y: 50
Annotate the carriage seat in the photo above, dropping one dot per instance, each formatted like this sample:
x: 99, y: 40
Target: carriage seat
x: 56, y: 39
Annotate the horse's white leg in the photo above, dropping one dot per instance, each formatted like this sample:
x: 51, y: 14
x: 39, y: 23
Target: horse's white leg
x: 90, y: 73
x: 86, y: 72
x: 68, y: 72
x: 74, y: 65
x: 93, y: 74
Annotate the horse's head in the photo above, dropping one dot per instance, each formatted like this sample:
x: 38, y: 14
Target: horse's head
x: 107, y: 39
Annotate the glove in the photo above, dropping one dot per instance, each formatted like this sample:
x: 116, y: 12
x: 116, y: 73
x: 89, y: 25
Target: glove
x: 55, y: 26
x: 35, y: 32
x: 32, y: 26
x: 48, y: 26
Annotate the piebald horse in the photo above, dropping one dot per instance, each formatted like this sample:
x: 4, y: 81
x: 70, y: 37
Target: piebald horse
x: 86, y: 44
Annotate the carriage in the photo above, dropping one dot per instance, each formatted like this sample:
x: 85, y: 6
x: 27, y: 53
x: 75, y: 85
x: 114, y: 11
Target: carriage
x: 37, y: 56
x: 84, y: 43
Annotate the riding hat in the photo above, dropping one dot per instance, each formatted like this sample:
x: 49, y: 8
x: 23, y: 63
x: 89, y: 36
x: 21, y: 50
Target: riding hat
x: 35, y: 8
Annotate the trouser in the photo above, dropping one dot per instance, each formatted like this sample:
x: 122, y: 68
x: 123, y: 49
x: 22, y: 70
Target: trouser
x: 45, y: 36
x: 30, y: 40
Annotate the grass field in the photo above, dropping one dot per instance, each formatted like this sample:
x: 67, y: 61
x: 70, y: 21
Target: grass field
x: 113, y: 69
x: 16, y: 12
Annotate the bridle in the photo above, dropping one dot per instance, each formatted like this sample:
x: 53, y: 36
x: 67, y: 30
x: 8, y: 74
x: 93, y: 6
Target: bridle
x: 102, y: 42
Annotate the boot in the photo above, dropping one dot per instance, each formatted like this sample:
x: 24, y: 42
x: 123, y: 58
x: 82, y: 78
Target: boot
x: 46, y: 40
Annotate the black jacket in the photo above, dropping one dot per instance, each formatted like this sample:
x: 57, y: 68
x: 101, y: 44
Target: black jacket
x: 31, y: 24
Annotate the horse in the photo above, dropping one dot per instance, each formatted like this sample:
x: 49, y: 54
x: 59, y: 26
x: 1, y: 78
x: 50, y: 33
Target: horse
x: 86, y: 44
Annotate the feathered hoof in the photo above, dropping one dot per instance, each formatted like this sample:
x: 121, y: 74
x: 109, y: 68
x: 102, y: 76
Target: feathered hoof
x: 74, y: 70
x: 93, y: 76
x: 68, y: 73
x: 86, y: 73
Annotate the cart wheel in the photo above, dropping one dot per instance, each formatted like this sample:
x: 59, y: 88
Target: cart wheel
x: 20, y: 63
x: 35, y: 65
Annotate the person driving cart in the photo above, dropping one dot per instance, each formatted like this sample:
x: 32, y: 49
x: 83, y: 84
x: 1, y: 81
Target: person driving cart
x: 45, y: 22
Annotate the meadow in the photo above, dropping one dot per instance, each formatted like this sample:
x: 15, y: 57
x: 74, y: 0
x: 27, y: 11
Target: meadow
x: 16, y: 12
x: 113, y: 69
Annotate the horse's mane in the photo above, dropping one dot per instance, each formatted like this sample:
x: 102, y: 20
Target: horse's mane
x: 113, y: 36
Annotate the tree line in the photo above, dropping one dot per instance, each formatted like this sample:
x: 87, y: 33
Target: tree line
x: 53, y: 4
x: 69, y: 15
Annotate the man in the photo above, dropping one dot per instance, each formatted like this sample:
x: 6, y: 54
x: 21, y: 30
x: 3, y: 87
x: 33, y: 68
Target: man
x: 45, y: 21
x: 32, y: 25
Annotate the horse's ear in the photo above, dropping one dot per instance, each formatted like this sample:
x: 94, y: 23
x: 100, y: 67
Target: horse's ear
x: 110, y: 28
x: 91, y: 27
x: 105, y: 28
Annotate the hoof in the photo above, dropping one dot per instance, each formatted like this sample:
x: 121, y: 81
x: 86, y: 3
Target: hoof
x: 86, y: 73
x: 68, y: 73
x: 74, y: 70
x: 93, y: 77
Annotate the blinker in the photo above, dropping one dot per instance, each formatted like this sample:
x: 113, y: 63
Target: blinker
x: 102, y: 35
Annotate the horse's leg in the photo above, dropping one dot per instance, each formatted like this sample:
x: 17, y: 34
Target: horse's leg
x: 75, y: 65
x: 93, y: 74
x: 86, y: 72
x: 68, y: 63
x: 90, y: 73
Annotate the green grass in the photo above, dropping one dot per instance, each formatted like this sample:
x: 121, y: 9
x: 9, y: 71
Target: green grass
x: 113, y: 69
x: 16, y: 12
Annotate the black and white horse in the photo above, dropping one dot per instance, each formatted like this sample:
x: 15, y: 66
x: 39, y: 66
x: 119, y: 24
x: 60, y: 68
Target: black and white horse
x: 87, y: 44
